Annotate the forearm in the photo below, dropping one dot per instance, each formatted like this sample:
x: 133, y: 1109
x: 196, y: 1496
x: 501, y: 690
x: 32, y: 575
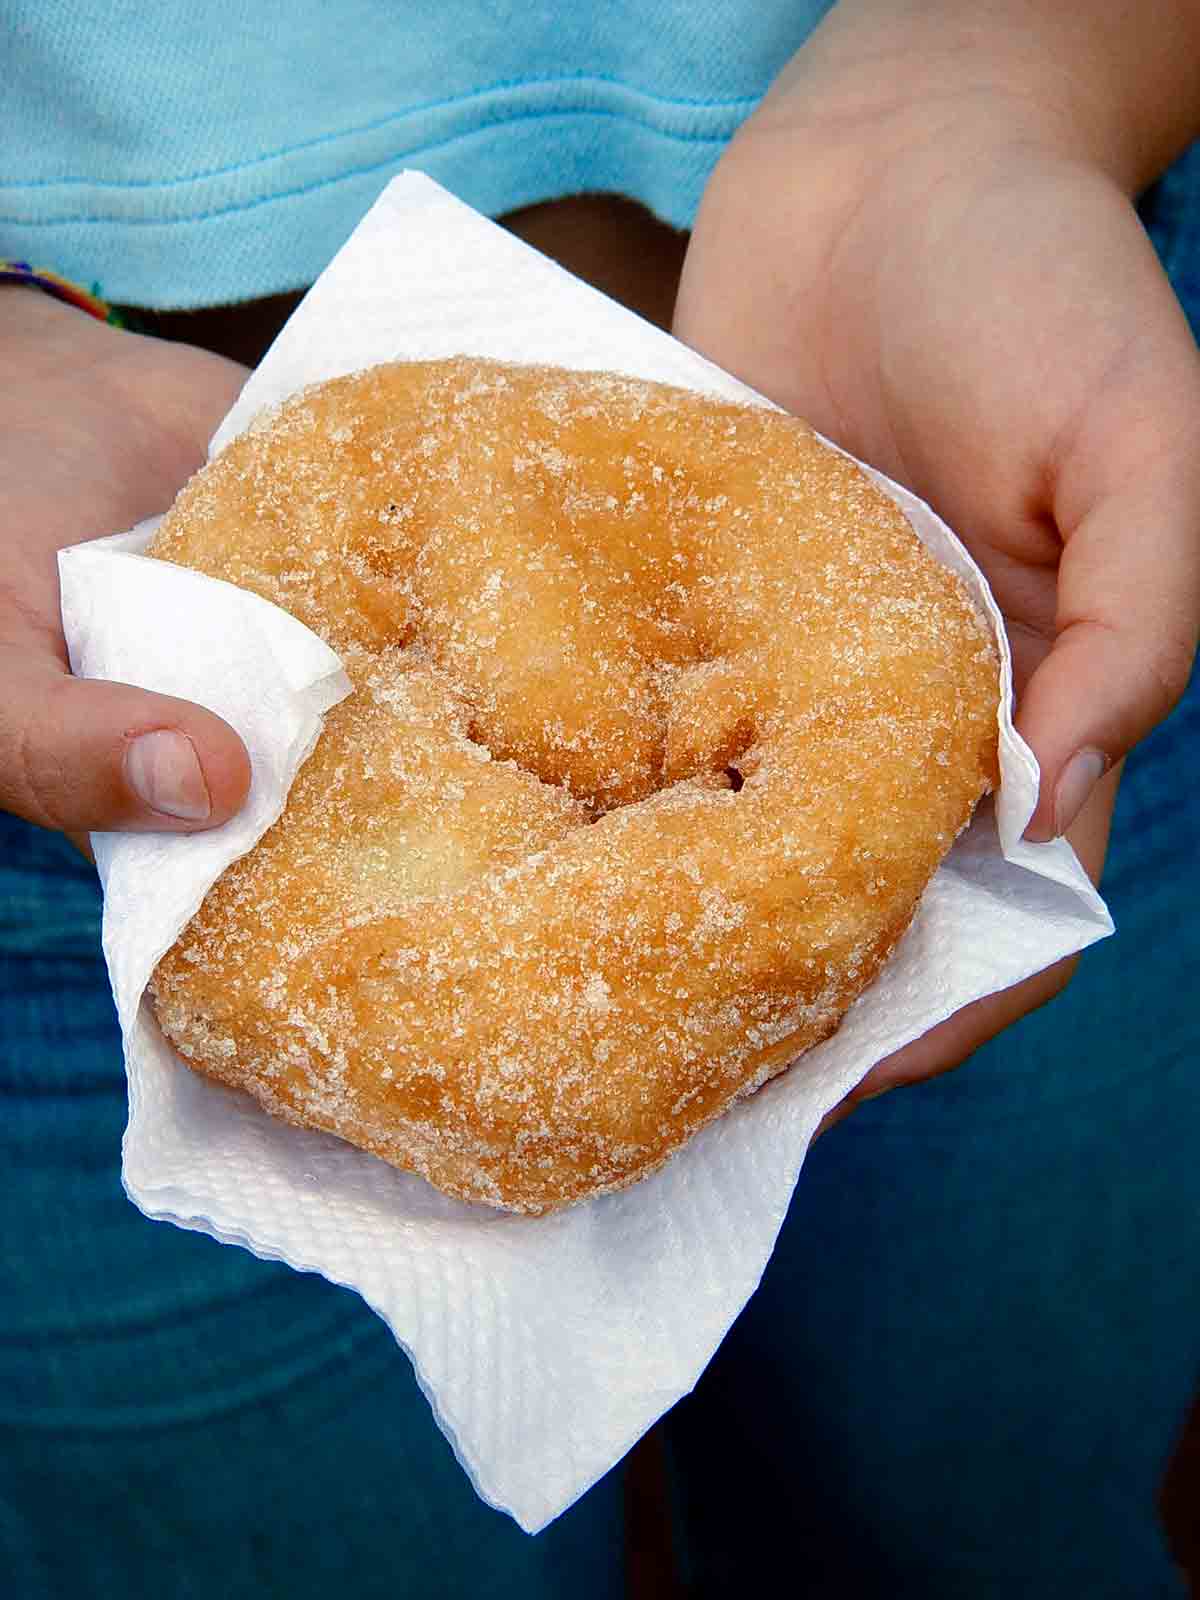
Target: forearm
x: 1114, y: 82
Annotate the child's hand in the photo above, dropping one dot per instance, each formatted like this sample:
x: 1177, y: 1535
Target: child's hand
x: 97, y: 430
x: 942, y: 272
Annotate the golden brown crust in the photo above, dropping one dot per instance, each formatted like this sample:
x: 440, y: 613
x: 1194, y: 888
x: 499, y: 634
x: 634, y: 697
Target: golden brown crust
x: 663, y: 718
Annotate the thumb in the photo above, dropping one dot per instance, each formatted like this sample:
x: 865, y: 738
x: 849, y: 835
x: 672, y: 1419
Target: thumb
x: 1126, y: 635
x: 84, y: 755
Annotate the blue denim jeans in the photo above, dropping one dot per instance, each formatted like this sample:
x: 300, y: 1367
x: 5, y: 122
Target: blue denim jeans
x: 177, y: 1418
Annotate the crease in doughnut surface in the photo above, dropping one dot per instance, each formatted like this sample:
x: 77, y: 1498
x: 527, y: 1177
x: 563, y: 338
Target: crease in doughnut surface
x: 662, y: 720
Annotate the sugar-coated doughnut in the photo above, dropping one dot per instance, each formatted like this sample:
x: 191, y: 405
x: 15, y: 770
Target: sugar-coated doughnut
x: 663, y: 718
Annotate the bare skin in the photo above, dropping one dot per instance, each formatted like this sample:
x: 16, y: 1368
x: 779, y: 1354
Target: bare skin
x: 924, y: 242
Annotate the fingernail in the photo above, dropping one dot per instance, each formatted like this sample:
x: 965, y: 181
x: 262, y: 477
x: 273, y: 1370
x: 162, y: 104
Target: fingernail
x: 162, y: 770
x: 1077, y: 780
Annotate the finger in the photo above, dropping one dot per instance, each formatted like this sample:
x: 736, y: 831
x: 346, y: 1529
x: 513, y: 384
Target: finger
x: 953, y: 1041
x: 950, y: 1044
x: 83, y: 755
x: 1128, y: 614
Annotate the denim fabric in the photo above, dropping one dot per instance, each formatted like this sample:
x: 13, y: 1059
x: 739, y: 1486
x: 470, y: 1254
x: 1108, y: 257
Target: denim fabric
x: 179, y: 1419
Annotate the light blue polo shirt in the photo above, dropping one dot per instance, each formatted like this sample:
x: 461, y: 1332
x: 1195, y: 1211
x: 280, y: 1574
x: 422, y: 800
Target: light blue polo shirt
x: 180, y: 153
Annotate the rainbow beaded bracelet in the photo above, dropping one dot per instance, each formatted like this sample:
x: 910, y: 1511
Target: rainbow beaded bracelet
x: 62, y: 289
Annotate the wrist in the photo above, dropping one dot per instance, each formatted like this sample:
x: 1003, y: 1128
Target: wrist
x: 34, y: 322
x: 1100, y: 84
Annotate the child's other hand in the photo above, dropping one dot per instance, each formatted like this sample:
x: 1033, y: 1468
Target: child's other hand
x: 928, y: 250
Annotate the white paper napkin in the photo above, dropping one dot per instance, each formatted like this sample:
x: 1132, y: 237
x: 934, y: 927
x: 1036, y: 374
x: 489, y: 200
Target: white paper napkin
x: 546, y: 1346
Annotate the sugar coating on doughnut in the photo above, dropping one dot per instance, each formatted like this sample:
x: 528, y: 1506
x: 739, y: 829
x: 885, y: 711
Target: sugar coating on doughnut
x: 663, y: 718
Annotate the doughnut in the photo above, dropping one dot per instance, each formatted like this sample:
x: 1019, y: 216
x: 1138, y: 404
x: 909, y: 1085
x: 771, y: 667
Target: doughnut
x: 662, y: 719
